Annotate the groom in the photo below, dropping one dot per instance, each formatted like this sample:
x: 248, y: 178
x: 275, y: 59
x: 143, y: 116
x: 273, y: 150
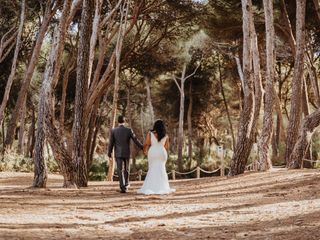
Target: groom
x: 120, y: 141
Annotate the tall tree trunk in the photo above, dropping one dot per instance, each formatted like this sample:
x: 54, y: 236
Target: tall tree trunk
x: 247, y: 122
x: 31, y: 135
x: 50, y: 78
x: 65, y: 80
x: 80, y: 120
x: 305, y: 98
x: 147, y: 83
x: 189, y: 119
x: 14, y: 62
x: 226, y: 104
x: 267, y: 128
x: 296, y: 97
x: 91, y: 130
x: 181, y: 117
x: 129, y: 114
x: 29, y: 72
x: 123, y: 21
x: 22, y: 129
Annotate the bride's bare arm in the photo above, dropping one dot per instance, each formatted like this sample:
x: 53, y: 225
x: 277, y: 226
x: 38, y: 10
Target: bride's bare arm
x: 147, y: 143
x: 166, y: 144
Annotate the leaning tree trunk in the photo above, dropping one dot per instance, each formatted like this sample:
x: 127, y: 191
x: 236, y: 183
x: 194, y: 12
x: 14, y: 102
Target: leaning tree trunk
x: 296, y: 96
x: 94, y: 36
x: 310, y: 123
x: 267, y: 128
x: 50, y: 77
x: 247, y: 121
x: 29, y: 73
x: 123, y: 22
x: 7, y: 43
x: 14, y: 63
x: 79, y: 124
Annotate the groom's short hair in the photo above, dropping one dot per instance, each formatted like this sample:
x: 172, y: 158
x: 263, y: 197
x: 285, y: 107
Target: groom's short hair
x: 121, y: 119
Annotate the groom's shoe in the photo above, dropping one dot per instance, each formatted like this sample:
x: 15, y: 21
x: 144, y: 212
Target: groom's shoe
x: 123, y: 191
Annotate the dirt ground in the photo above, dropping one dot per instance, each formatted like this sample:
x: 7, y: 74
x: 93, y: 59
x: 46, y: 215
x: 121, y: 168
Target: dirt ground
x: 280, y: 204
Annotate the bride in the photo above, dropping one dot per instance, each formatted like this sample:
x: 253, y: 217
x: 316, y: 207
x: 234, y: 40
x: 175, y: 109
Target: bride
x: 156, y: 146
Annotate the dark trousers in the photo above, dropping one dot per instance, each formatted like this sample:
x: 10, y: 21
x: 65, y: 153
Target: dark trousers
x: 123, y: 172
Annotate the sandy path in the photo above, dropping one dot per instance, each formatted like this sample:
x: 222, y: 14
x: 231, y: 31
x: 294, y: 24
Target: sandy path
x: 277, y: 205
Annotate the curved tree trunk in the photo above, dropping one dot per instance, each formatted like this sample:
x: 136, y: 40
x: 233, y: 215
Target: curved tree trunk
x: 310, y: 123
x: 297, y: 83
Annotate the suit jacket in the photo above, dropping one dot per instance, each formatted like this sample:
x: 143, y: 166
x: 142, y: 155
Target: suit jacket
x: 120, y: 141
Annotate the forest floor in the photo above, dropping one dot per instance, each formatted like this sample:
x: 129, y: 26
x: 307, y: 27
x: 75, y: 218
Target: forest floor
x: 282, y: 204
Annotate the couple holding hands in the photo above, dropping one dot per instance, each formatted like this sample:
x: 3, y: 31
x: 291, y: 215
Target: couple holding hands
x: 155, y: 147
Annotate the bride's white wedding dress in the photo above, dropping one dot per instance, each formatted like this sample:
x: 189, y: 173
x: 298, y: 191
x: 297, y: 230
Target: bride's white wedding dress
x: 156, y: 181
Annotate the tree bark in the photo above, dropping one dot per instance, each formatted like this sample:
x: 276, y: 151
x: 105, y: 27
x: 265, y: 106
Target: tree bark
x: 267, y: 128
x: 31, y: 135
x: 45, y: 107
x: 14, y: 62
x: 29, y: 73
x: 80, y: 121
x: 314, y: 80
x: 296, y: 98
x: 65, y: 80
x: 247, y: 122
x: 189, y: 119
x: 181, y: 118
x: 317, y: 8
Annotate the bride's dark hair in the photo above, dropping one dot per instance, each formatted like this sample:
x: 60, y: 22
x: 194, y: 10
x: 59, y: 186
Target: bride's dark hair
x: 160, y: 129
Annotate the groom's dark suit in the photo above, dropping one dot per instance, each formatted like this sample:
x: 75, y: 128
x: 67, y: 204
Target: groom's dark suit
x: 120, y: 141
